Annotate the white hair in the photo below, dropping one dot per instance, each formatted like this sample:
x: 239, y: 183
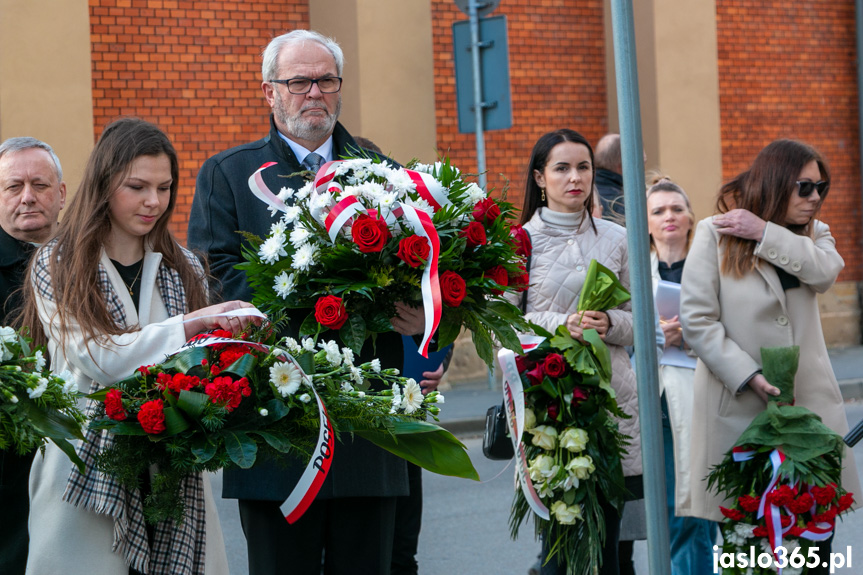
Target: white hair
x: 13, y: 145
x: 270, y: 55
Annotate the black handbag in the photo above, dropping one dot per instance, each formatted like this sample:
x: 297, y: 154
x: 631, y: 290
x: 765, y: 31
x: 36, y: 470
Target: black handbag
x: 496, y: 442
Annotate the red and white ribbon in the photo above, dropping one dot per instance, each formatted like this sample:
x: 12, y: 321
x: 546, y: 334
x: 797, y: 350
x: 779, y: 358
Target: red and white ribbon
x: 513, y: 397
x: 429, y: 189
x: 262, y: 192
x: 341, y: 214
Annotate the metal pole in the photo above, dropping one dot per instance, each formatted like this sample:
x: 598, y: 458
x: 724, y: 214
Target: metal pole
x: 659, y: 561
x: 858, y: 9
x: 477, y: 91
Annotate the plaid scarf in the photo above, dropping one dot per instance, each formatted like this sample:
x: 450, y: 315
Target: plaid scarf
x: 177, y: 549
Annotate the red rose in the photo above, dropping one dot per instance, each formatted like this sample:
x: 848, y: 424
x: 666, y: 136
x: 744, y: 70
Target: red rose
x: 733, y: 514
x: 330, y: 312
x: 554, y: 365
x: 499, y: 276
x: 227, y: 392
x: 845, y: 502
x: 414, y: 250
x: 749, y: 503
x: 486, y: 211
x: 475, y: 234
x: 535, y: 375
x: 152, y: 416
x: 114, y: 405
x: 370, y: 234
x: 452, y: 288
x: 824, y: 495
x: 760, y: 531
x: 802, y: 504
x: 553, y: 409
x: 523, y: 363
x: 523, y: 246
x: 520, y: 281
x: 579, y: 395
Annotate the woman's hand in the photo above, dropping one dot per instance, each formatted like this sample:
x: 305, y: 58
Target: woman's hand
x: 408, y: 320
x: 740, y: 223
x: 579, y: 321
x: 672, y: 331
x: 431, y: 379
x: 233, y: 324
x: 760, y: 386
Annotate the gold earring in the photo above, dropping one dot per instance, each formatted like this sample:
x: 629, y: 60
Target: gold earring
x: 543, y: 194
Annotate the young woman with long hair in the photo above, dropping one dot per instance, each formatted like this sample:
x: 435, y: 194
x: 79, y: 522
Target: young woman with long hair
x: 109, y: 293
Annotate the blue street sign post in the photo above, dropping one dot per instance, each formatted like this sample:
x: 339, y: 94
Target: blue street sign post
x: 481, y: 56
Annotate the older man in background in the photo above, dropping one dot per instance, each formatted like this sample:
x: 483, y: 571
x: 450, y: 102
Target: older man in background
x: 32, y: 193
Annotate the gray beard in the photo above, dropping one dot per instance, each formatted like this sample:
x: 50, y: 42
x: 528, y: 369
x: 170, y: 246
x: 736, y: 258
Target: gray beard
x: 303, y: 130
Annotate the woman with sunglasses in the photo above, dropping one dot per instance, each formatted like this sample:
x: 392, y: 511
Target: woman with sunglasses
x: 750, y: 281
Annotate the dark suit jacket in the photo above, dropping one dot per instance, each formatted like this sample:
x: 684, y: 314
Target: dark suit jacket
x: 610, y: 187
x: 14, y: 468
x: 223, y: 204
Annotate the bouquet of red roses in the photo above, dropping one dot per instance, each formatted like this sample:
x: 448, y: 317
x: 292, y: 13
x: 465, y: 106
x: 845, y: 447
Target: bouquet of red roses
x: 783, y: 481
x: 223, y: 402
x: 364, y: 235
x: 570, y: 449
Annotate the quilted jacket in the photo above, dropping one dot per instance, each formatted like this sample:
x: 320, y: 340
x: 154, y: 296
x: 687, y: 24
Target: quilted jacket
x: 558, y: 268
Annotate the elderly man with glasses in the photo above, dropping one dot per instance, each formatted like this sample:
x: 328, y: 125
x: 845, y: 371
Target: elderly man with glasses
x: 350, y: 524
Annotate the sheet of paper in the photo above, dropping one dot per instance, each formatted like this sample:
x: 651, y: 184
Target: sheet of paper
x: 668, y: 305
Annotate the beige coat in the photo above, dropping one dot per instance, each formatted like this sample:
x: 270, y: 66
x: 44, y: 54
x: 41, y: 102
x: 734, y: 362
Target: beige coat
x: 557, y: 271
x: 727, y: 321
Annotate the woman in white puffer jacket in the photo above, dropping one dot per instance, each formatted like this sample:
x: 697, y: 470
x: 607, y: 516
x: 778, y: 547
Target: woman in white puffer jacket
x: 557, y: 214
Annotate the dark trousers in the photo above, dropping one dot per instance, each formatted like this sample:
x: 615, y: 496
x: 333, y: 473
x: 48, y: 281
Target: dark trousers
x: 14, y: 510
x: 353, y: 534
x: 409, y: 512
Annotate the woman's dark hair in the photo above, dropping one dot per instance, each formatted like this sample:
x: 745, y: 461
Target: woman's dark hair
x: 539, y: 159
x: 765, y: 189
x: 86, y: 227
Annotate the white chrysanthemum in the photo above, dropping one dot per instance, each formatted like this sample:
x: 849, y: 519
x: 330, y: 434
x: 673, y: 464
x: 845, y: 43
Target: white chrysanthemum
x: 305, y: 257
x: 69, y: 383
x: 381, y: 170
x: 272, y: 249
x: 419, y: 204
x: 376, y: 365
x: 263, y: 412
x: 286, y: 193
x: 348, y: 354
x: 39, y: 389
x: 474, y: 194
x: 361, y: 394
x: 305, y: 398
x: 278, y: 228
x: 745, y: 530
x: 355, y: 164
x: 285, y: 284
x: 308, y: 344
x: 300, y: 235
x: 350, y: 192
x: 347, y: 387
x: 427, y: 168
x: 319, y: 206
x: 413, y: 396
x: 292, y: 345
x: 7, y: 335
x: 286, y: 377
x: 291, y: 214
x: 356, y: 375
x: 304, y: 192
x: 40, y: 360
x: 401, y: 181
x: 387, y: 201
x: 397, y: 398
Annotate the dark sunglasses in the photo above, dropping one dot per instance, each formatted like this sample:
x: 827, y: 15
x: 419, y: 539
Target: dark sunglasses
x: 805, y: 189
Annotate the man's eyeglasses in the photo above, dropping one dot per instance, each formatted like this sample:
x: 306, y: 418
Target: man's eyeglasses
x: 328, y: 85
x: 805, y: 189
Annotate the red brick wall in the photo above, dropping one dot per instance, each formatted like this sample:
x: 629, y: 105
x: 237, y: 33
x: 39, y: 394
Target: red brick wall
x: 557, y: 72
x: 193, y: 68
x: 788, y: 70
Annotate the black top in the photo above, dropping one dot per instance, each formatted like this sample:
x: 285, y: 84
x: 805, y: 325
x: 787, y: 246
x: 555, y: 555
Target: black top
x: 787, y: 280
x: 673, y: 272
x: 131, y: 276
x: 14, y: 256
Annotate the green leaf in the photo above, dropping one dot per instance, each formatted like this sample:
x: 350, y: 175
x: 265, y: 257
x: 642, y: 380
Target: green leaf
x: 307, y: 362
x: 353, y: 333
x: 447, y: 331
x: 310, y: 326
x: 174, y: 422
x: 118, y: 427
x: 779, y: 366
x: 601, y: 290
x: 186, y: 359
x: 600, y: 352
x: 484, y: 344
x: 278, y: 442
x: 193, y: 403
x: 203, y: 450
x: 241, y: 449
x: 243, y: 367
x: 427, y: 445
x: 50, y: 423
x: 69, y: 450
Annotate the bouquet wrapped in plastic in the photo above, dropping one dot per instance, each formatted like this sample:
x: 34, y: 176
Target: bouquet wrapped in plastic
x: 36, y: 405
x: 782, y: 478
x: 364, y: 235
x: 225, y: 402
x: 562, y: 408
